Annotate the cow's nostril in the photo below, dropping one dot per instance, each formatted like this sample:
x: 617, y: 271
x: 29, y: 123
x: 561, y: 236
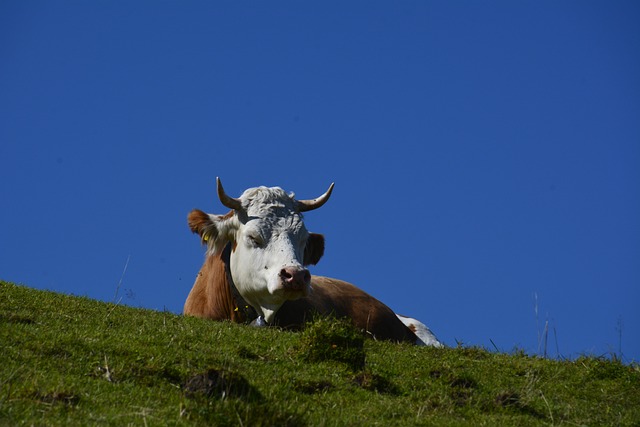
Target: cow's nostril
x: 286, y: 275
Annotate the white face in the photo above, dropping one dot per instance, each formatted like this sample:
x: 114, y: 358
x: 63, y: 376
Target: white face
x: 268, y: 250
x: 269, y: 244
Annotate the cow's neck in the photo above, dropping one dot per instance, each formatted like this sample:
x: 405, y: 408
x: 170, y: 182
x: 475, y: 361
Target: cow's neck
x: 246, y: 312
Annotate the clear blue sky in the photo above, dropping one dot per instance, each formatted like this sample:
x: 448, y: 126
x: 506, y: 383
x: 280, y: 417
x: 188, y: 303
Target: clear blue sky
x: 484, y: 153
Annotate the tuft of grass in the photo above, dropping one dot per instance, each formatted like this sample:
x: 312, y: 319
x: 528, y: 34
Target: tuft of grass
x: 331, y: 339
x: 70, y: 361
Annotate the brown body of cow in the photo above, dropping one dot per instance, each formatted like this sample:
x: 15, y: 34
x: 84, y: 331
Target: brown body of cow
x: 213, y: 296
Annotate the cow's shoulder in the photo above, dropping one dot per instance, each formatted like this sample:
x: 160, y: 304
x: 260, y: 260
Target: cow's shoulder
x: 211, y: 296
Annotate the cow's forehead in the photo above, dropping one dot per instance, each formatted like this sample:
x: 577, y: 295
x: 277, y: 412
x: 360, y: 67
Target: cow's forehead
x: 272, y: 208
x: 261, y: 201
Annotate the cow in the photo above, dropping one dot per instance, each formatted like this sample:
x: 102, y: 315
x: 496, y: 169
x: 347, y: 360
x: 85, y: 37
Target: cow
x: 255, y: 270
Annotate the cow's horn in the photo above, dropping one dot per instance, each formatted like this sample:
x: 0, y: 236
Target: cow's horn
x: 309, y: 205
x: 229, y: 202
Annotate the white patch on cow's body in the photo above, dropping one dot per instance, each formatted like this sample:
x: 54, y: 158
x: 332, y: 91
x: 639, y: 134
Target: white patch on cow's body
x: 424, y: 334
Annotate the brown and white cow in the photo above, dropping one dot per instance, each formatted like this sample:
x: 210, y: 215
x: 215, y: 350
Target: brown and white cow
x: 255, y: 270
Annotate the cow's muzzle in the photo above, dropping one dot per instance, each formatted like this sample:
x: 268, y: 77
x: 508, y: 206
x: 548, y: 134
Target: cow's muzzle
x: 295, y: 279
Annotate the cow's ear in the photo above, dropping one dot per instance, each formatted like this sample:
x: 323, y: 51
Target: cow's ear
x: 199, y: 222
x: 314, y: 249
x: 214, y: 230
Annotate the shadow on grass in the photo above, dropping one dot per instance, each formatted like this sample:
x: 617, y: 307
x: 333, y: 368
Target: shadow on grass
x: 224, y: 398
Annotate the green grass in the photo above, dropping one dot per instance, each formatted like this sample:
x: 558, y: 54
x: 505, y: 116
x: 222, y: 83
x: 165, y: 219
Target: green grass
x: 74, y: 361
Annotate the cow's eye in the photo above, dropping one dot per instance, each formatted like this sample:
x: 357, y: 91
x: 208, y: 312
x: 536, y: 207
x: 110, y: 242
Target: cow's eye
x: 255, y: 240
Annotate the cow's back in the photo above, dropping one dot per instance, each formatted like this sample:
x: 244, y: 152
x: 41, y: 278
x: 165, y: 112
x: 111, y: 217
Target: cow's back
x: 341, y: 299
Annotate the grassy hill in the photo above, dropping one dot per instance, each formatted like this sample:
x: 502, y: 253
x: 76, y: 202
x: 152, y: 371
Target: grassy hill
x: 66, y: 360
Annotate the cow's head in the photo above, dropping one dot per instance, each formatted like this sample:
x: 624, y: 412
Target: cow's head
x: 270, y: 246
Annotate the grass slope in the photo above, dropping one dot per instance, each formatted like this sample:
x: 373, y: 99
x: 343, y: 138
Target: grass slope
x: 74, y: 361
